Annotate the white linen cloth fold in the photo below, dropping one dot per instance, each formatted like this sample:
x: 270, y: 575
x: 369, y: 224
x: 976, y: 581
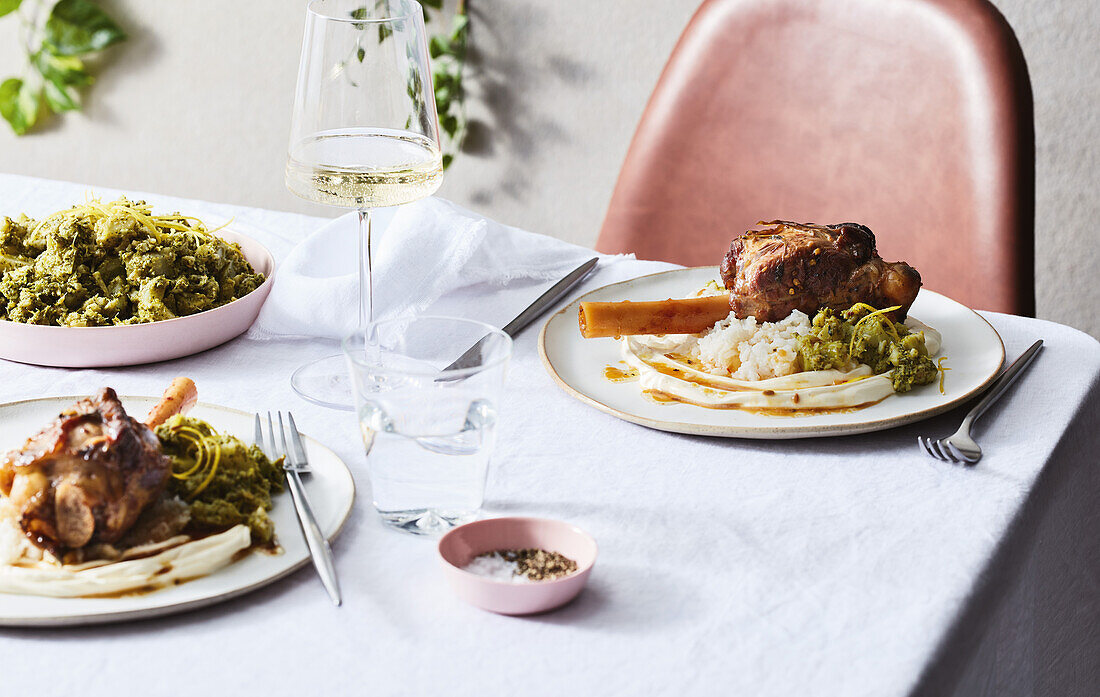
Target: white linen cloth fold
x: 429, y: 257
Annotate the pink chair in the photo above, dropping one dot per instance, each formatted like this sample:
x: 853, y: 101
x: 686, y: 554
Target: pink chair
x: 913, y: 117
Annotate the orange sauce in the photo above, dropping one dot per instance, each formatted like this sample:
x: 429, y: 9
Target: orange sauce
x: 686, y: 377
x: 616, y: 374
x: 659, y: 397
x: 665, y: 398
x: 128, y: 593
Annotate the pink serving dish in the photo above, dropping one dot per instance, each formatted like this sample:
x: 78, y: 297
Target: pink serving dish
x: 134, y: 344
x: 465, y: 542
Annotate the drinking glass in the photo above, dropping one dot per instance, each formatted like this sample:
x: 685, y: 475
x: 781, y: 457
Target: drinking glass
x: 428, y: 427
x: 364, y: 134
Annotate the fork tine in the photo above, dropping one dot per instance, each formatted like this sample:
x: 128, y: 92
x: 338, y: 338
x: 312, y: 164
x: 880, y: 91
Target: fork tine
x: 282, y: 435
x: 296, y: 441
x: 258, y: 433
x: 951, y: 450
x: 926, y: 444
x: 270, y: 439
x: 934, y: 444
x: 941, y: 447
x: 963, y: 457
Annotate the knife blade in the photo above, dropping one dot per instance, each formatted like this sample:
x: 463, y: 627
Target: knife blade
x: 533, y: 311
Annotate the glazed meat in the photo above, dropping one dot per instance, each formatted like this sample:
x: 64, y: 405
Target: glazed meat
x: 86, y: 477
x: 794, y: 266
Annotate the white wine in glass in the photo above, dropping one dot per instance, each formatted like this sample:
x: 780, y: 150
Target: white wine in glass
x: 364, y: 134
x: 328, y: 168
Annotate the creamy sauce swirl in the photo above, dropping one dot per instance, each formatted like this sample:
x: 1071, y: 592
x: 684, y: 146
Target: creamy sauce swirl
x: 666, y: 374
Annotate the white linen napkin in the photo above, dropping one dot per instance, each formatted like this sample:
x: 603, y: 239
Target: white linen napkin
x: 430, y: 257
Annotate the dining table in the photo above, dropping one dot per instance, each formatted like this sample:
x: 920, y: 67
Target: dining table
x: 852, y: 565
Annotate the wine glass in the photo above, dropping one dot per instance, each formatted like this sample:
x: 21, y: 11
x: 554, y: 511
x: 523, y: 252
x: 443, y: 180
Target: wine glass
x: 364, y: 134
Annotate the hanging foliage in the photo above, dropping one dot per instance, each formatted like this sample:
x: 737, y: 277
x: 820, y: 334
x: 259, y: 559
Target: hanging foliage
x: 55, y: 70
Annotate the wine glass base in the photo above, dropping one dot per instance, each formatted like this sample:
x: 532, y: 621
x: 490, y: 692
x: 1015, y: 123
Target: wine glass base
x: 325, y: 382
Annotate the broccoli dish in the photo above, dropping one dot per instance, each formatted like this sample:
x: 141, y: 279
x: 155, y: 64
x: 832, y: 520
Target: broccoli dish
x: 224, y: 481
x: 862, y: 334
x: 103, y: 264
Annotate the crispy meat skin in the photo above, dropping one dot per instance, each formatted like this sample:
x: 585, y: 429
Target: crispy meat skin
x: 795, y: 266
x: 86, y: 477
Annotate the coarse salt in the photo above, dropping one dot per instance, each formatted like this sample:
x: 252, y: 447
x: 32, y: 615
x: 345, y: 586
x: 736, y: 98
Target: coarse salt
x: 496, y: 567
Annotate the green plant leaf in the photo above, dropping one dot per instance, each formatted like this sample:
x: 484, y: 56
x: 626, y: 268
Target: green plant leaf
x: 78, y: 26
x: 437, y: 47
x: 385, y: 31
x: 443, y: 97
x: 434, y: 4
x: 450, y: 125
x: 60, y: 97
x: 66, y: 70
x: 441, y: 79
x: 7, y: 6
x: 454, y: 85
x: 448, y: 158
x: 358, y: 13
x: 19, y: 104
x: 360, y: 54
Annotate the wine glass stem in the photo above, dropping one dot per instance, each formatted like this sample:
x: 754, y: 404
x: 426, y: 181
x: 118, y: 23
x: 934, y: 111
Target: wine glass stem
x: 366, y: 275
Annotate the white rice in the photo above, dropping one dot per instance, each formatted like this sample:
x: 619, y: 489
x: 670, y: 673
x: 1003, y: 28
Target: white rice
x: 749, y: 350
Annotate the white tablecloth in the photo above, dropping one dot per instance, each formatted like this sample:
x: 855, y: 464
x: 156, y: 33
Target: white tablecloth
x: 842, y: 566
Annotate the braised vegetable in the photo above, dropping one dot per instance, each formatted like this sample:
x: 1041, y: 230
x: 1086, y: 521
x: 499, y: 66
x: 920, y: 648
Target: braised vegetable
x: 223, y: 480
x: 862, y: 334
x: 106, y: 264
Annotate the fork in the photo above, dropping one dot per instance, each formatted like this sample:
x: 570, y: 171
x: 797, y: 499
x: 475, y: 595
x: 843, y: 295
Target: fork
x: 295, y: 465
x: 961, y: 447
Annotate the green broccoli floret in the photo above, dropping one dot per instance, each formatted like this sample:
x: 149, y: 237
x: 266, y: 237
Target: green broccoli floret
x: 232, y: 484
x: 105, y: 264
x: 861, y: 334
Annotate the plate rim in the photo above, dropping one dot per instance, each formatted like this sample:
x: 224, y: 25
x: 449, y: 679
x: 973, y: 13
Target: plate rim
x: 114, y: 616
x: 753, y: 432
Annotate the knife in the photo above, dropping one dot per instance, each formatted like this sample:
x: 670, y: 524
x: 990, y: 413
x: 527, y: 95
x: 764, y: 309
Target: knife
x: 535, y: 310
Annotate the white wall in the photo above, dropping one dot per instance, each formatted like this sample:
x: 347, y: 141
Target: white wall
x: 197, y: 104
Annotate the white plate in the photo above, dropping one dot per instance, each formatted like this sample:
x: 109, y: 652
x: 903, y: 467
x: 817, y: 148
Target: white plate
x: 974, y: 354
x: 135, y: 344
x: 330, y: 489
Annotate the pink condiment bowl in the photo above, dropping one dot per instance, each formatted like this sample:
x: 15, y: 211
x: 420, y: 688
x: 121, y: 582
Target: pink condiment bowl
x: 465, y: 542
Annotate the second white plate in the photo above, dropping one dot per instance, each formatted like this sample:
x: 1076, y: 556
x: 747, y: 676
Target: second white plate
x: 973, y: 348
x: 330, y: 488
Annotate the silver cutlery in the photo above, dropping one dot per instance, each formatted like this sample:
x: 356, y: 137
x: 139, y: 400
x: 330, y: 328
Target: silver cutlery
x: 295, y: 465
x: 961, y: 447
x: 535, y: 310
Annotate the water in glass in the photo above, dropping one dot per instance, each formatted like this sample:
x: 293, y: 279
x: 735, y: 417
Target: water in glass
x: 428, y: 426
x: 432, y: 459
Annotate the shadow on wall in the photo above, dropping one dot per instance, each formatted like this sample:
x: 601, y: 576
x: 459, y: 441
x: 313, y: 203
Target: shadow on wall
x: 504, y: 79
x: 136, y: 55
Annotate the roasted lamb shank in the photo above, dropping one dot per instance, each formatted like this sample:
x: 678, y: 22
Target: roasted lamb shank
x: 86, y: 477
x: 794, y: 266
